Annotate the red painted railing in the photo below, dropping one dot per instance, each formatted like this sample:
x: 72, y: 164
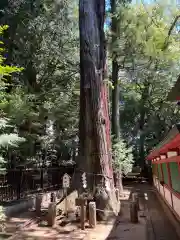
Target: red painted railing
x: 170, y: 159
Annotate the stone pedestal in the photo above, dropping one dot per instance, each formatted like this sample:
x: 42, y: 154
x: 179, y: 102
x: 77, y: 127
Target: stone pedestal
x: 39, y: 198
x: 92, y: 214
x: 135, y: 198
x: 133, y: 212
x: 51, y: 214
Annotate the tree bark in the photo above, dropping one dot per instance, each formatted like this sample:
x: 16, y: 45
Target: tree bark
x: 116, y: 90
x: 142, y: 140
x: 115, y: 101
x: 94, y: 135
x: 115, y: 71
x: 143, y: 114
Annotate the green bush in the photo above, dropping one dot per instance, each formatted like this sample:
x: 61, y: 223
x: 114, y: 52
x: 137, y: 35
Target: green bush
x: 122, y: 157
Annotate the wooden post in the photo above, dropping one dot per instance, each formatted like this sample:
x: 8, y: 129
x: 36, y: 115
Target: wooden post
x: 82, y: 216
x: 38, y: 204
x: 136, y: 199
x: 92, y: 214
x: 42, y: 178
x: 59, y: 194
x: 53, y: 197
x: 19, y: 183
x: 117, y: 194
x: 51, y: 214
x: 133, y: 212
x: 170, y: 182
x: 66, y: 203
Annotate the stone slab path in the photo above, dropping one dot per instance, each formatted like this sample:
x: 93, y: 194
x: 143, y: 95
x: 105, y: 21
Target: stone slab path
x: 159, y: 226
x: 153, y: 223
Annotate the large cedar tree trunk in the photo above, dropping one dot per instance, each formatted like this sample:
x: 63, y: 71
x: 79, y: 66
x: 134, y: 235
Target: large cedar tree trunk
x: 94, y: 132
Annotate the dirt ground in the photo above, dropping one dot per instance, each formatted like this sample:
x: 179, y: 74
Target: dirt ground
x: 153, y: 223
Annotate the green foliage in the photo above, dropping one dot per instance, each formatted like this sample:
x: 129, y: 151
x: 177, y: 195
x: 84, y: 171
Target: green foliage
x: 148, y: 58
x: 6, y: 139
x: 43, y: 38
x: 5, y: 70
x: 122, y: 157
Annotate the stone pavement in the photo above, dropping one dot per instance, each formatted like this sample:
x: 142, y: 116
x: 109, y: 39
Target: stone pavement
x: 15, y: 223
x: 153, y: 223
x: 21, y: 220
x: 159, y: 226
x: 120, y: 229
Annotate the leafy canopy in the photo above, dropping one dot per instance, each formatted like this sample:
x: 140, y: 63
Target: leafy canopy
x: 6, y: 139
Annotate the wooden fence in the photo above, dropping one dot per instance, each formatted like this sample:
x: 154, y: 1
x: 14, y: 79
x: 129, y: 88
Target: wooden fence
x: 21, y: 183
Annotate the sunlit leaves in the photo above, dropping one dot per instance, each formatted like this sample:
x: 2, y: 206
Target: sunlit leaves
x: 45, y: 42
x: 122, y: 157
x: 6, y: 139
x: 151, y: 60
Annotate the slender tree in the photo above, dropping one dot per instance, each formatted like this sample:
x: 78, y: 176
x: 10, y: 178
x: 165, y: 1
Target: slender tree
x: 115, y: 118
x: 115, y: 4
x: 115, y: 71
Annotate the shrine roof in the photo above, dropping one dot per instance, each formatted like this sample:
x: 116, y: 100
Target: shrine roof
x: 171, y: 141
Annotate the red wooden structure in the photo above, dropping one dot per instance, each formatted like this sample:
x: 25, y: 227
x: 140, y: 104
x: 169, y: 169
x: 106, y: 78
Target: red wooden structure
x: 165, y: 160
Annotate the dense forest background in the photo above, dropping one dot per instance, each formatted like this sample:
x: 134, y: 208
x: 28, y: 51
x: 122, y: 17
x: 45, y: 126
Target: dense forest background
x: 39, y: 101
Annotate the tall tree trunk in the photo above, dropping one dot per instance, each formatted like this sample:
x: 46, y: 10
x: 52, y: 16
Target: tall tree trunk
x: 115, y: 100
x: 94, y: 149
x: 115, y: 71
x: 116, y: 91
x: 142, y: 141
x: 143, y: 114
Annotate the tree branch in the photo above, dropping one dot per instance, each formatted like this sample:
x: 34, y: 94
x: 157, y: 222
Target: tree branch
x: 170, y: 32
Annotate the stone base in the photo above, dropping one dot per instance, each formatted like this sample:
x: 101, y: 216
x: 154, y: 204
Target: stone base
x: 106, y: 204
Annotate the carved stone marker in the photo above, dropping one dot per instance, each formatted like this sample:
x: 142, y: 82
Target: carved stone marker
x: 133, y: 212
x: 51, y: 214
x: 92, y: 214
x: 66, y: 184
x: 38, y: 203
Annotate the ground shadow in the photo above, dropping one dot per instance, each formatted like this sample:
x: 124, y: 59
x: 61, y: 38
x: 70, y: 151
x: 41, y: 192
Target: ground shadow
x: 123, y: 228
